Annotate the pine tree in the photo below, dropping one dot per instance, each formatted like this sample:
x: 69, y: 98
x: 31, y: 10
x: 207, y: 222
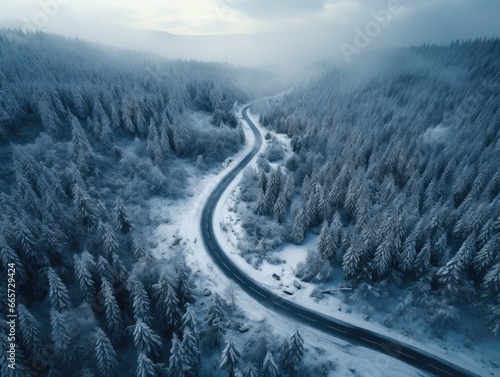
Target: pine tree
x: 154, y: 147
x: 145, y: 340
x: 383, y: 257
x: 85, y: 209
x: 189, y: 320
x: 269, y: 367
x: 295, y: 353
x: 230, y: 359
x: 183, y: 289
x: 105, y: 355
x: 273, y: 189
x: 9, y: 255
x: 60, y: 335
x: 328, y: 241
x: 145, y: 367
x: 58, y: 293
x: 167, y: 305
x: 262, y: 184
x: 104, y: 268
x: 82, y: 154
x: 109, y: 240
x: 351, y: 262
x: 113, y: 318
x: 177, y: 365
x: 84, y: 264
x: 29, y: 331
x: 422, y: 263
x: 261, y: 207
x: 216, y: 321
x: 449, y: 276
x: 280, y: 208
x: 140, y: 302
x: 164, y: 141
x: 122, y: 219
x: 407, y: 256
x: 485, y: 258
x: 299, y: 226
x: 491, y: 281
x: 191, y: 350
x: 138, y: 248
x: 250, y: 371
x: 289, y: 188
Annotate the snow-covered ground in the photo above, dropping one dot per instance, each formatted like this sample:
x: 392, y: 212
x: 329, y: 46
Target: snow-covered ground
x: 482, y: 358
x: 179, y: 220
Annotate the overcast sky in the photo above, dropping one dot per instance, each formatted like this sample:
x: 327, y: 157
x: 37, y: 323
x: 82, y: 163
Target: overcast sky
x: 303, y: 26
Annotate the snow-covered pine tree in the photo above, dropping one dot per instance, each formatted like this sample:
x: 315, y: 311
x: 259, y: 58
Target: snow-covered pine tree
x: 299, y: 226
x: 191, y: 351
x: 491, y: 281
x: 261, y: 207
x: 189, y: 320
x: 180, y: 138
x: 230, y: 359
x: 84, y: 265
x: 280, y: 208
x: 406, y: 257
x: 113, y: 318
x: 295, y: 353
x: 138, y: 248
x: 216, y: 320
x: 145, y: 366
x: 60, y: 335
x: 164, y: 141
x: 82, y: 154
x: 422, y: 263
x: 485, y: 258
x: 122, y: 218
x: 146, y: 340
x: 177, y: 363
x: 167, y: 305
x: 29, y: 331
x: 383, y: 256
x: 58, y: 293
x: 289, y: 187
x: 85, y: 208
x: 183, y: 288
x: 104, y: 268
x: 351, y: 261
x: 250, y: 371
x: 269, y: 367
x: 9, y: 255
x: 154, y: 147
x: 108, y: 238
x: 105, y: 355
x: 328, y: 241
x: 120, y: 273
x: 140, y: 301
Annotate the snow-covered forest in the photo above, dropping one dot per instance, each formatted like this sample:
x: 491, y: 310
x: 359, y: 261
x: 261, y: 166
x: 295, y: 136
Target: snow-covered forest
x: 395, y: 165
x: 88, y: 133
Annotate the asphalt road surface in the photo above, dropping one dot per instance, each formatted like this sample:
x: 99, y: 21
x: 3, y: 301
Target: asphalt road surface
x: 276, y: 301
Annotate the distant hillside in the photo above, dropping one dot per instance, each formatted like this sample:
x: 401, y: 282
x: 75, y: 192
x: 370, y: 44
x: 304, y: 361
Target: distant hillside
x: 397, y: 161
x: 88, y: 134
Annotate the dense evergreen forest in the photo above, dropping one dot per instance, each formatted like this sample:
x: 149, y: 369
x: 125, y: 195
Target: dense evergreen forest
x: 396, y: 166
x: 88, y: 133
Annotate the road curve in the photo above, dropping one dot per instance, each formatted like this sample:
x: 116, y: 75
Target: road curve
x: 353, y: 334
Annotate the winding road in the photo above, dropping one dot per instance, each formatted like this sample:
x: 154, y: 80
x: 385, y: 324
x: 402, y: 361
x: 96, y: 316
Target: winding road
x: 353, y: 334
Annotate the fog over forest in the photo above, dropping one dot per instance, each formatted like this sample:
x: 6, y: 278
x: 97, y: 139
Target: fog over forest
x: 249, y: 188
